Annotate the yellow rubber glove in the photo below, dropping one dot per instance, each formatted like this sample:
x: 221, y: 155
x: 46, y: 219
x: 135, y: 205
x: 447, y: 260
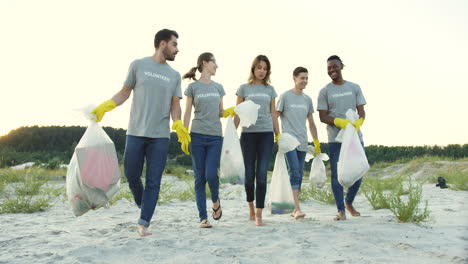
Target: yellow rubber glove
x: 182, y: 135
x: 340, y: 122
x: 229, y: 112
x: 277, y: 137
x: 317, y: 147
x: 184, y: 148
x: 102, y: 109
x: 358, y: 123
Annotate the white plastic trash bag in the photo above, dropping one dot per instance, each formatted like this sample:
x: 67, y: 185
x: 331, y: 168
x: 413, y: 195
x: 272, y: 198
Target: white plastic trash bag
x: 247, y: 112
x: 232, y: 168
x: 93, y: 175
x: 352, y: 162
x: 318, y: 175
x: 280, y: 199
x: 287, y: 142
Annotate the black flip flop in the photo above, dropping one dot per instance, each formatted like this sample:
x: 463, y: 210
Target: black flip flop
x: 216, y: 210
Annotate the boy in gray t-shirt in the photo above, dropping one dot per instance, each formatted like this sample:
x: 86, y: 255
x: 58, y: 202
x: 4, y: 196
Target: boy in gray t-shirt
x: 156, y: 96
x: 333, y: 102
x: 294, y: 108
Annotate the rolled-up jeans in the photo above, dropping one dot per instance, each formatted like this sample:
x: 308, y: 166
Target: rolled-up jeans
x: 206, y: 154
x: 256, y: 149
x: 296, y: 160
x: 155, y: 151
x: 334, y: 151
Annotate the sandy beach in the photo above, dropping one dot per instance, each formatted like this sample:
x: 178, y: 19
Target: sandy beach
x: 108, y: 235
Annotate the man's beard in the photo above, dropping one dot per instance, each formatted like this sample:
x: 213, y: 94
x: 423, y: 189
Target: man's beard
x: 168, y: 56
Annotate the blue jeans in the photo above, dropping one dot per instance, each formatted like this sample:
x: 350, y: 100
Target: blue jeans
x: 206, y: 153
x: 256, y: 149
x: 334, y: 151
x: 296, y: 160
x: 155, y: 151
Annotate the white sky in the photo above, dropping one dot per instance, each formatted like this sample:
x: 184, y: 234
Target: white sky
x: 409, y: 57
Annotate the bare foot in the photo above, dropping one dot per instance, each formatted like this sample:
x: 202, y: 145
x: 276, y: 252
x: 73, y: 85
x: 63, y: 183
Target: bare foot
x: 143, y: 231
x: 299, y: 214
x: 251, y: 212
x: 351, y: 210
x: 340, y: 216
x: 258, y: 217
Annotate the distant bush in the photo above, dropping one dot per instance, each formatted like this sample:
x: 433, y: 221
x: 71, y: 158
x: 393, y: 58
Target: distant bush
x: 456, y: 179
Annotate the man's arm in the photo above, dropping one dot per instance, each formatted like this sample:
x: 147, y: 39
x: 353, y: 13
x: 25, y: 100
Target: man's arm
x: 361, y: 112
x: 122, y: 96
x: 325, y: 118
x: 176, y: 112
x: 312, y: 127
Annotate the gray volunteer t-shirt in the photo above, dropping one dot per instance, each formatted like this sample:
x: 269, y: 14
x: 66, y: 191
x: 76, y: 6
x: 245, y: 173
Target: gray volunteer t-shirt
x: 206, y: 99
x: 294, y: 110
x: 337, y: 99
x: 153, y: 85
x: 261, y: 95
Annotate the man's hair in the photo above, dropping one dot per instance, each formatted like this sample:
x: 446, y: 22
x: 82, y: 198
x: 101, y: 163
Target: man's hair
x: 298, y: 70
x: 164, y: 35
x: 334, y: 57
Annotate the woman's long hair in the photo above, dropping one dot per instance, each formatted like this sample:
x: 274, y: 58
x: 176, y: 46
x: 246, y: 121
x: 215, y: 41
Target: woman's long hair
x: 256, y: 61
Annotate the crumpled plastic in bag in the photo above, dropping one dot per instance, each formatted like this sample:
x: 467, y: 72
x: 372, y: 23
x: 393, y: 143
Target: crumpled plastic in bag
x: 318, y: 175
x: 247, y: 112
x: 351, y: 116
x: 287, y: 142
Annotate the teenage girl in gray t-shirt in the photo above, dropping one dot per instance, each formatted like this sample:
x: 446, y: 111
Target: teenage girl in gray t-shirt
x: 206, y: 97
x: 257, y: 140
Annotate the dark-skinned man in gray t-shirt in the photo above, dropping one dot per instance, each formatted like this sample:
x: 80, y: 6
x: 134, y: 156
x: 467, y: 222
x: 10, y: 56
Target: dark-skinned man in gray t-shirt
x: 333, y: 102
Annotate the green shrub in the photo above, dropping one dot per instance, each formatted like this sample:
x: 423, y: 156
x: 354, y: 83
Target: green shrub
x: 324, y: 194
x: 31, y: 194
x: 409, y: 211
x: 377, y: 198
x: 10, y: 175
x: 124, y: 193
x: 167, y: 193
x: 379, y: 192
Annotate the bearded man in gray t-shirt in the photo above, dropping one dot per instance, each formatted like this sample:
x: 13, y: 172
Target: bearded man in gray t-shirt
x: 156, y: 97
x: 333, y: 102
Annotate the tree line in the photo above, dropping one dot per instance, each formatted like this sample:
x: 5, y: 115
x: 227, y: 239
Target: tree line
x: 56, y: 144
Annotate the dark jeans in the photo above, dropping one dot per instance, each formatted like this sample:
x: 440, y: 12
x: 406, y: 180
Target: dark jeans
x: 155, y: 151
x: 296, y: 160
x: 206, y: 153
x: 334, y: 151
x: 256, y: 149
